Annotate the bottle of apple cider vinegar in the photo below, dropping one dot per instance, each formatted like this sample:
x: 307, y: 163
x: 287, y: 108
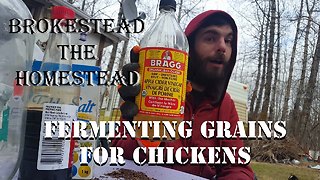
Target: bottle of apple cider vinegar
x: 163, y: 61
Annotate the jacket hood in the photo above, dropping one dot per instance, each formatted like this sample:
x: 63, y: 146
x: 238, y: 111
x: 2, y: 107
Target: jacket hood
x: 201, y: 21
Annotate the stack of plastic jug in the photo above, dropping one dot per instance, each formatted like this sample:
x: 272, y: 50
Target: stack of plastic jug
x: 16, y: 51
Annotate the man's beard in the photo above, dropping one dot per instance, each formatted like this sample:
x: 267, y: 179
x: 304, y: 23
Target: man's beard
x: 200, y: 74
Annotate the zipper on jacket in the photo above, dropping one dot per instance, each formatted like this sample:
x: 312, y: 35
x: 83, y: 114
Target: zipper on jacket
x: 192, y: 117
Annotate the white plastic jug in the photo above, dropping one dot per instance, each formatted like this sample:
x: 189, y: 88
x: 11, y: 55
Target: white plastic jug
x: 16, y: 51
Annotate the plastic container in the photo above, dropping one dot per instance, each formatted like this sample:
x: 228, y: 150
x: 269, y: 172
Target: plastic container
x: 163, y: 63
x: 50, y: 159
x: 16, y: 50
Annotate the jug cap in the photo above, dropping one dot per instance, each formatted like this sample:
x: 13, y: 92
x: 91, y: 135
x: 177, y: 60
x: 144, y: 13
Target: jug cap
x: 62, y: 12
x: 168, y: 3
x: 17, y: 90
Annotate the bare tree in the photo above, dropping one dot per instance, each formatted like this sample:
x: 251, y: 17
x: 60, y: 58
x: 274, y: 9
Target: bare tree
x: 83, y: 5
x: 298, y: 101
x: 293, y: 54
x: 95, y: 8
x: 276, y: 70
x: 264, y: 65
x: 266, y: 100
x: 310, y: 91
x: 276, y: 78
x: 187, y: 10
x: 255, y: 91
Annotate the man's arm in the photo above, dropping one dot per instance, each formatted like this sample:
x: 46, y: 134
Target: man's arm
x: 234, y: 171
x: 127, y: 144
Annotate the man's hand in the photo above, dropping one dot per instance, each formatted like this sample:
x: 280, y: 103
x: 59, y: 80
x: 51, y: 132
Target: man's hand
x: 128, y: 93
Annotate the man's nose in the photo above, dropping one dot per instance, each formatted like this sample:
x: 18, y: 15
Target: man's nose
x: 221, y: 45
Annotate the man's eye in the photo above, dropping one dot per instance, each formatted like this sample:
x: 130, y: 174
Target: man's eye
x: 210, y: 38
x: 228, y: 41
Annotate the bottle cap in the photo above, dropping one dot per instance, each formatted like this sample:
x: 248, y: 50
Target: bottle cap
x: 168, y: 3
x: 62, y: 12
x: 17, y: 90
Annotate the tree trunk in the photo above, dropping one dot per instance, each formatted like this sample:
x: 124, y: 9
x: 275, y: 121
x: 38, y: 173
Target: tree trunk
x: 266, y: 100
x: 297, y: 104
x: 255, y: 90
x: 275, y: 82
x: 306, y: 109
x: 180, y: 11
x: 93, y: 8
x: 264, y: 65
x: 293, y: 53
x: 310, y: 91
x: 83, y: 5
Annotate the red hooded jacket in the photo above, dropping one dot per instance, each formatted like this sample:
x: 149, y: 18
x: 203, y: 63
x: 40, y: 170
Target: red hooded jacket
x: 207, y: 109
x: 205, y: 112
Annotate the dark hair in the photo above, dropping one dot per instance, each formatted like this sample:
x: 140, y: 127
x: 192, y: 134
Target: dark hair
x: 216, y: 20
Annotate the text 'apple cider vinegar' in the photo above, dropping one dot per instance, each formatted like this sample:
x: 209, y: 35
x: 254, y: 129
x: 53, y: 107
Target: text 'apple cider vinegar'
x: 163, y: 61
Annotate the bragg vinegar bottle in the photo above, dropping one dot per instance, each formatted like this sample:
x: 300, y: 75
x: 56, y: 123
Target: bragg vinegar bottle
x: 50, y: 159
x: 163, y: 64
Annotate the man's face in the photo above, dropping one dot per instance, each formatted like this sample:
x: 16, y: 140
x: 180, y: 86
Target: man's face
x: 212, y: 50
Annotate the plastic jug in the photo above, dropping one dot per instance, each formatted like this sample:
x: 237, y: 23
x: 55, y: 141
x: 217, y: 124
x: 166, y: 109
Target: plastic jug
x: 16, y: 51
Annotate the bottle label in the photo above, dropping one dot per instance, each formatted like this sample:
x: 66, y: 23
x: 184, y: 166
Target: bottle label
x: 50, y: 94
x: 56, y: 153
x: 4, y: 125
x: 163, y: 81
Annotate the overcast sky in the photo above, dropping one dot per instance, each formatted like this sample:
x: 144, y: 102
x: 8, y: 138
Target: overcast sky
x: 217, y: 4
